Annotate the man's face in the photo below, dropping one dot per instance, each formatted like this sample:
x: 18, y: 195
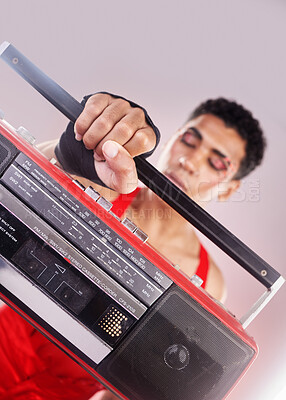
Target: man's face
x: 203, y: 157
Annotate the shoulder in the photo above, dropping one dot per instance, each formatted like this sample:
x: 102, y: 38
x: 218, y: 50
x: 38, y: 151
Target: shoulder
x: 48, y: 148
x: 215, y: 285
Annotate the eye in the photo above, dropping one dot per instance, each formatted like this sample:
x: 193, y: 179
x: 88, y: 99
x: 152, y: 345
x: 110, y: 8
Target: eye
x: 189, y: 139
x: 218, y: 164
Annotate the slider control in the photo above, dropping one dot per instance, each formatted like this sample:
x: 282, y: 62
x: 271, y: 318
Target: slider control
x: 99, y: 199
x: 129, y: 224
x: 134, y: 229
x: 196, y: 280
x: 104, y: 203
x: 78, y: 184
x: 92, y: 193
x: 114, y: 215
x: 141, y: 235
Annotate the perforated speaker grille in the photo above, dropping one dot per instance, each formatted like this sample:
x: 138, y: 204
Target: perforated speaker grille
x: 180, y: 351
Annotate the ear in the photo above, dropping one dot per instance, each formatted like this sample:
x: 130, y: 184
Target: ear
x: 230, y: 188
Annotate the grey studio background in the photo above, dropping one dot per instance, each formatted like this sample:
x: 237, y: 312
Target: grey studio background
x: 169, y: 56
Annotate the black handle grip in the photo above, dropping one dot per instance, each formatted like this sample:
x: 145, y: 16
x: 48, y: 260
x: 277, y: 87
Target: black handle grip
x: 149, y: 175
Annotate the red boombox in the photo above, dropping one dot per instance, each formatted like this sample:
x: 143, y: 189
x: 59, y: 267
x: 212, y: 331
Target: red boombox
x: 92, y: 284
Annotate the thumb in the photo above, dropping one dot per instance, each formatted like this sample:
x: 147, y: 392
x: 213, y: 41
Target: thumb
x: 119, y: 169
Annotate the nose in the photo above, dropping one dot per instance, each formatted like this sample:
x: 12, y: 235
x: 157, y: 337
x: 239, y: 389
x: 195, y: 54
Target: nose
x: 192, y: 163
x: 188, y: 166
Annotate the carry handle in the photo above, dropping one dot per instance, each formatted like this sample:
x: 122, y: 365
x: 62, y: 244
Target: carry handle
x: 148, y: 174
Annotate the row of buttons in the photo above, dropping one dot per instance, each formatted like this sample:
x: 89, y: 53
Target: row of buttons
x: 91, y: 192
x: 195, y: 279
x: 107, y: 205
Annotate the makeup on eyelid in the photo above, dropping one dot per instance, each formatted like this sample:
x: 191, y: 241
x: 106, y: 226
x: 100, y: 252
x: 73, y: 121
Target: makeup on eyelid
x: 218, y: 161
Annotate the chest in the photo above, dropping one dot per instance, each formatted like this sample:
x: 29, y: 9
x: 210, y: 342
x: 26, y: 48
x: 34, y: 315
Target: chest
x: 181, y: 255
x: 176, y: 243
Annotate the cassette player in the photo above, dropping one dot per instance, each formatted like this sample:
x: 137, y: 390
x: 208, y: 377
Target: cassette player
x: 92, y: 284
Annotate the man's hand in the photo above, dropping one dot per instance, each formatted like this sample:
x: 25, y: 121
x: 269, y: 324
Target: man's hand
x: 116, y: 132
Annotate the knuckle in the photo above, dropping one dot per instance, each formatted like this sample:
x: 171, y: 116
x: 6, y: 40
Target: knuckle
x: 104, y: 123
x: 94, y: 99
x: 128, y: 169
x: 144, y: 141
x: 81, y: 125
x: 89, y: 142
x: 125, y: 130
x: 92, y: 109
x: 96, y: 103
x: 92, y: 103
x: 139, y: 114
x: 120, y: 103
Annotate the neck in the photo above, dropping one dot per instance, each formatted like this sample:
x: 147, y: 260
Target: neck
x: 157, y: 217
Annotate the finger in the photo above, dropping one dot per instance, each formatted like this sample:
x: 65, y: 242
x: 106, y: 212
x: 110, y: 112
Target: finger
x: 105, y: 122
x: 143, y: 141
x: 124, y: 130
x: 119, y: 170
x: 94, y: 106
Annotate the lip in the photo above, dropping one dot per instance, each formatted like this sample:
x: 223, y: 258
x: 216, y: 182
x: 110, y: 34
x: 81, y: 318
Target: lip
x: 176, y: 180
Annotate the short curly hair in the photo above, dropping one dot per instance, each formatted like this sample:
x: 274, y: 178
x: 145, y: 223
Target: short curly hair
x: 237, y: 117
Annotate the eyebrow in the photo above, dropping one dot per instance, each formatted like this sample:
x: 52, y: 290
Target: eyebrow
x: 196, y: 132
x: 199, y: 136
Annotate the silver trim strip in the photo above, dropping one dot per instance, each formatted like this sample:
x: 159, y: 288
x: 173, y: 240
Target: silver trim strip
x: 42, y: 305
x: 261, y: 302
x: 3, y: 47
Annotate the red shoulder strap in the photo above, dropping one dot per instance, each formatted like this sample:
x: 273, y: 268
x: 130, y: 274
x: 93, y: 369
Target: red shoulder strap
x: 123, y: 201
x: 203, y: 267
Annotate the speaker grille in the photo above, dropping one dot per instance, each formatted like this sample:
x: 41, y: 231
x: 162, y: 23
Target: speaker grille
x: 180, y: 351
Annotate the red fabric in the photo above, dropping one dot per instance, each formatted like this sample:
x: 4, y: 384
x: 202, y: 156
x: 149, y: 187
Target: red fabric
x: 203, y: 267
x: 33, y: 368
x: 123, y: 201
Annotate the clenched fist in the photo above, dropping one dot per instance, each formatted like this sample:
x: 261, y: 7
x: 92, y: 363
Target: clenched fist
x: 116, y: 132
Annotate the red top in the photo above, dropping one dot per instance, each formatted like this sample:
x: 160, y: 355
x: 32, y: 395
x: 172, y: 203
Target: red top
x: 32, y: 367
